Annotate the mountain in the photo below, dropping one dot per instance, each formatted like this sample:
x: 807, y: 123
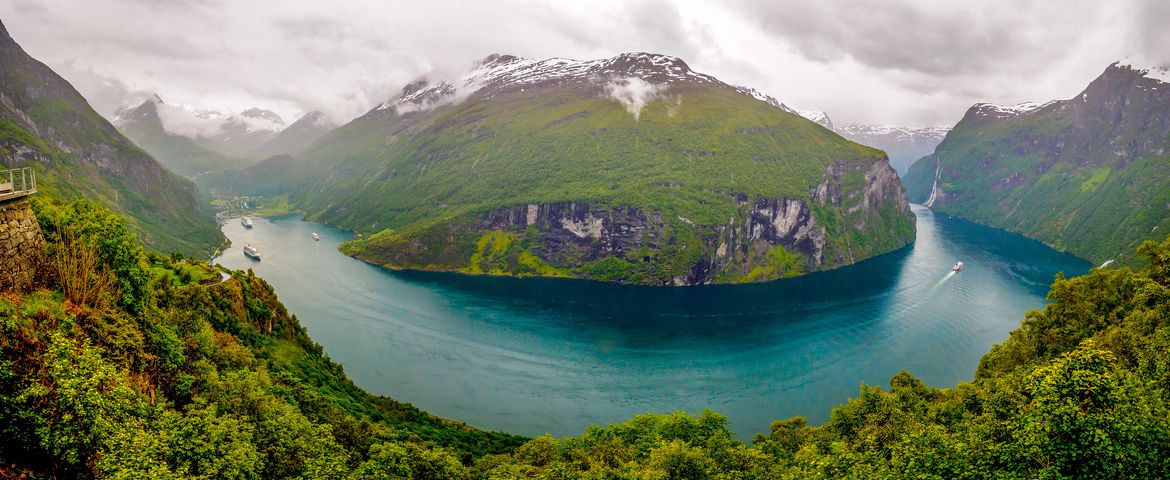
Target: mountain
x: 46, y: 124
x: 630, y: 169
x: 820, y: 118
x: 296, y: 137
x: 182, y: 155
x: 240, y: 134
x: 196, y: 140
x: 904, y: 145
x: 1088, y: 174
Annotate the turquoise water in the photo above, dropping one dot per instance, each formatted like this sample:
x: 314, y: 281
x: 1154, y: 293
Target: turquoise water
x: 530, y: 356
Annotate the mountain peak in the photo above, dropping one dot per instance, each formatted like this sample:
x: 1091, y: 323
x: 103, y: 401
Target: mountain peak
x: 820, y: 118
x: 261, y: 114
x: 1158, y: 71
x: 498, y: 73
x: 993, y: 111
x: 316, y: 119
x: 508, y: 71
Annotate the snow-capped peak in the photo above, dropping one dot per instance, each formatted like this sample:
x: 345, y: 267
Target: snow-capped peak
x: 858, y: 130
x: 316, y: 118
x: 508, y: 70
x: 763, y: 97
x: 206, y: 114
x: 821, y: 118
x: 1148, y: 69
x: 1006, y: 111
x: 497, y: 73
x: 263, y: 116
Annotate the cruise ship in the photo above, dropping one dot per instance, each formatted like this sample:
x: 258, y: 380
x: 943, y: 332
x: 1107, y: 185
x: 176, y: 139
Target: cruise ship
x: 252, y: 252
x: 246, y: 221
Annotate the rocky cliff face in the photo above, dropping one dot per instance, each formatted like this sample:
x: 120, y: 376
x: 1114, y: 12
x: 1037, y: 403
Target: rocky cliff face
x: 768, y: 238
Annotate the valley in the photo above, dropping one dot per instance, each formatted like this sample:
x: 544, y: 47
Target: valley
x: 344, y: 247
x: 534, y: 356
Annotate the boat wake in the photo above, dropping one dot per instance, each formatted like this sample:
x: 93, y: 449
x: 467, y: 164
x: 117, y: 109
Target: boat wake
x: 946, y: 277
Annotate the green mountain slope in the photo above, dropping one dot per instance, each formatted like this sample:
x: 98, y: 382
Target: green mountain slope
x: 1090, y: 175
x: 295, y: 138
x: 631, y: 169
x: 180, y: 154
x: 46, y: 124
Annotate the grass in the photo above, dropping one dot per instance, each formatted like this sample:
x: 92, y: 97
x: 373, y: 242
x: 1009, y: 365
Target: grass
x: 400, y: 179
x: 1088, y: 200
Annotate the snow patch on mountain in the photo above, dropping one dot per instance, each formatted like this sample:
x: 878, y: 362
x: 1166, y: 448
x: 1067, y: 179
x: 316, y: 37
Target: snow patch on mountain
x: 1006, y: 111
x: 821, y: 118
x: 763, y: 97
x: 1148, y: 69
x: 195, y: 122
x: 854, y: 131
x: 627, y: 75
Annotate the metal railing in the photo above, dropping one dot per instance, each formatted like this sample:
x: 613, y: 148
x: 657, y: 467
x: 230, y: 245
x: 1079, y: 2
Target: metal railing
x: 17, y: 182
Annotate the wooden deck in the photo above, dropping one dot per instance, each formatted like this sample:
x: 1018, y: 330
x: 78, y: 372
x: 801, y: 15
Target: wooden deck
x: 17, y: 182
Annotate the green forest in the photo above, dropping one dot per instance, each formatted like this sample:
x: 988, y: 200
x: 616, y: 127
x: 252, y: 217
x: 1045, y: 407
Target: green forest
x: 123, y: 363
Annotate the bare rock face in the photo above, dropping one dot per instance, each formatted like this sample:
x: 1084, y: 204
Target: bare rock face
x: 769, y: 238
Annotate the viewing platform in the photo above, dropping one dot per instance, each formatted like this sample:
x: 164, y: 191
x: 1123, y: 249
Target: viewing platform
x: 17, y: 183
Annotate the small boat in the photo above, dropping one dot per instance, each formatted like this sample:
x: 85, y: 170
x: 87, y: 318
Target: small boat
x: 957, y: 267
x: 246, y: 221
x: 252, y: 252
x: 316, y: 237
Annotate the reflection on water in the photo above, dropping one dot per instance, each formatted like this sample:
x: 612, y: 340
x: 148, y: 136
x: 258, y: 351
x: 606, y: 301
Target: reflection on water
x: 551, y: 355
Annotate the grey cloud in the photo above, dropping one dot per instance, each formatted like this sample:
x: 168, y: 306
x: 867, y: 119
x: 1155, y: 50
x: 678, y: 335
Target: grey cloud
x: 932, y: 37
x: 1154, y: 33
x: 104, y: 93
x: 908, y: 62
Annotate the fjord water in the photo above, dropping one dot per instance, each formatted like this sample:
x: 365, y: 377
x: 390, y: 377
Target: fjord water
x: 531, y: 356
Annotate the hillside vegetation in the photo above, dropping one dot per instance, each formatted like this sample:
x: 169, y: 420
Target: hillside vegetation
x: 655, y: 192
x: 1089, y: 175
x: 47, y: 125
x: 130, y: 365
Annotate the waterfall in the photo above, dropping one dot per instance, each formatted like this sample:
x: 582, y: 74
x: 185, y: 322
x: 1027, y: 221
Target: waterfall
x: 934, y: 187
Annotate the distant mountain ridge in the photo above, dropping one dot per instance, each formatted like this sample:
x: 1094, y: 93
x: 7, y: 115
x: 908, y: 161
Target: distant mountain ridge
x: 630, y: 169
x: 182, y: 155
x: 193, y: 141
x: 904, y: 145
x: 45, y: 123
x: 296, y: 137
x: 1090, y: 174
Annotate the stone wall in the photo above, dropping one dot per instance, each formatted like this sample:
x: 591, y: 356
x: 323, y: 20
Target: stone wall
x: 21, y: 245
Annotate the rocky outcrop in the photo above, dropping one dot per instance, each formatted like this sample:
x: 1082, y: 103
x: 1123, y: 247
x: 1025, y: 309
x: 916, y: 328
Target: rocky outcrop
x: 768, y: 238
x: 21, y: 245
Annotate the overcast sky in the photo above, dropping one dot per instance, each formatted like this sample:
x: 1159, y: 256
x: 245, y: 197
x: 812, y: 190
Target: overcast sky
x: 902, y: 62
